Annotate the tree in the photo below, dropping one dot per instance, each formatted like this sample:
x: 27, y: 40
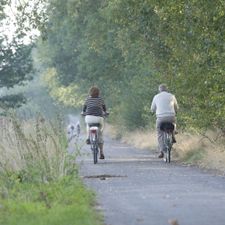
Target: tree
x: 15, y: 66
x: 119, y: 44
x: 15, y: 59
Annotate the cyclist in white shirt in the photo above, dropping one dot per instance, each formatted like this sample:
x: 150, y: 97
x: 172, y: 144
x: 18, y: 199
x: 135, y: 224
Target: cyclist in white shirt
x: 165, y: 106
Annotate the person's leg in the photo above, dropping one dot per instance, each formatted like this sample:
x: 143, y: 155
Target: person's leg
x: 173, y: 137
x: 100, y: 138
x: 88, y: 119
x: 173, y: 121
x: 102, y: 156
x: 160, y: 137
x: 87, y: 134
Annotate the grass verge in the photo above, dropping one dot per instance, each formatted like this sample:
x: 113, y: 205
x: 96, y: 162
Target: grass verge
x: 194, y: 156
x: 39, y: 182
x: 64, y: 202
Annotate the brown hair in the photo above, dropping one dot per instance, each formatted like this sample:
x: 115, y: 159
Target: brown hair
x: 94, y: 92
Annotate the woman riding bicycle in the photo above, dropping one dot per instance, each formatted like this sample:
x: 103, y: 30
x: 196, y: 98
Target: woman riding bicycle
x: 94, y: 110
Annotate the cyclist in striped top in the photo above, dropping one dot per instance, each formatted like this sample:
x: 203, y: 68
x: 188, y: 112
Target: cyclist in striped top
x: 94, y: 109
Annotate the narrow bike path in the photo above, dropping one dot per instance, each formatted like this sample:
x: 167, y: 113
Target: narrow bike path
x: 134, y: 187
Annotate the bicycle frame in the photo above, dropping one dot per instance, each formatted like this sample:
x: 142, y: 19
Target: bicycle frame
x: 167, y: 129
x: 168, y: 145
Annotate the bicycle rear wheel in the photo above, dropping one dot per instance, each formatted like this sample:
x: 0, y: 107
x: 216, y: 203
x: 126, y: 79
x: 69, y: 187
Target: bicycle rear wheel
x: 168, y: 146
x: 168, y: 155
x: 95, y: 153
x: 94, y: 145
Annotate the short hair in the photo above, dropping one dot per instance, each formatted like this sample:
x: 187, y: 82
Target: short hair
x: 162, y: 87
x: 94, y: 92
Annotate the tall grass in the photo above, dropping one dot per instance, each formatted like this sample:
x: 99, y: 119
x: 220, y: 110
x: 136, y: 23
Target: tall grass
x: 34, y: 150
x: 39, y: 183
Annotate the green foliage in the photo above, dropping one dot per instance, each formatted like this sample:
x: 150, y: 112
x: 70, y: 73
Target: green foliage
x: 12, y: 101
x: 63, y: 202
x: 68, y: 96
x: 30, y: 99
x: 128, y: 47
x: 15, y: 66
x: 15, y: 60
x: 16, y: 44
x: 194, y: 34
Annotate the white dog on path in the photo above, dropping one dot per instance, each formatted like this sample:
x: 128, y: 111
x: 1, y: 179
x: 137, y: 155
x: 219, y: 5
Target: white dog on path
x: 73, y: 130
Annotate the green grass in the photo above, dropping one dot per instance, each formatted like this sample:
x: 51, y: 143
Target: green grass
x: 39, y: 182
x: 65, y: 202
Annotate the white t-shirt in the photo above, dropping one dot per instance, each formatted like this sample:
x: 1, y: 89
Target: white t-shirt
x: 164, y: 104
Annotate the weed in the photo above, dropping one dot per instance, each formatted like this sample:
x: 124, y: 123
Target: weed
x: 60, y: 202
x: 34, y: 151
x: 39, y: 183
x: 194, y: 156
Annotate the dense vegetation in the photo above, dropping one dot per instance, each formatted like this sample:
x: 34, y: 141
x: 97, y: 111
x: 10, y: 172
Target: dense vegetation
x: 128, y: 47
x: 16, y: 64
x: 39, y: 182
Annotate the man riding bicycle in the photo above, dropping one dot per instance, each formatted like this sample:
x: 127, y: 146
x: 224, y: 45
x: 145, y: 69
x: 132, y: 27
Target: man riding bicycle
x: 94, y: 110
x: 165, y: 106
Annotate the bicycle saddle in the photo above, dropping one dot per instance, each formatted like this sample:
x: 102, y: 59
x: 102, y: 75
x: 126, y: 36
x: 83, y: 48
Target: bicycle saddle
x: 167, y: 127
x: 94, y: 124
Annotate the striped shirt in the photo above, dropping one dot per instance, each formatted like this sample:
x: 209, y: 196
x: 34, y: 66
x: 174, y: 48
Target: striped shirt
x: 94, y: 106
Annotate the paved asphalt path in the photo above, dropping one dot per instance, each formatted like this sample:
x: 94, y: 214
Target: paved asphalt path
x: 134, y: 187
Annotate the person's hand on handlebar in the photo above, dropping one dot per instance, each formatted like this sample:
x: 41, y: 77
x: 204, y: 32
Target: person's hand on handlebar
x: 153, y: 113
x: 106, y: 113
x: 83, y: 113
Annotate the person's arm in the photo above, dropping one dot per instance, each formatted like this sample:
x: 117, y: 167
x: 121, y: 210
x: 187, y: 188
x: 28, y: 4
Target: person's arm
x: 103, y: 105
x: 104, y: 108
x: 153, y: 106
x: 84, y: 106
x: 176, y: 107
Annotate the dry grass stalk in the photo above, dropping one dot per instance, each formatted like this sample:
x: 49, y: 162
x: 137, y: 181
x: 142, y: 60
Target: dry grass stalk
x: 34, y: 150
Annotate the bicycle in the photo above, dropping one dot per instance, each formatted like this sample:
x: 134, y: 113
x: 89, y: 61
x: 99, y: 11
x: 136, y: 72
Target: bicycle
x: 93, y: 132
x: 93, y: 136
x: 167, y: 129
